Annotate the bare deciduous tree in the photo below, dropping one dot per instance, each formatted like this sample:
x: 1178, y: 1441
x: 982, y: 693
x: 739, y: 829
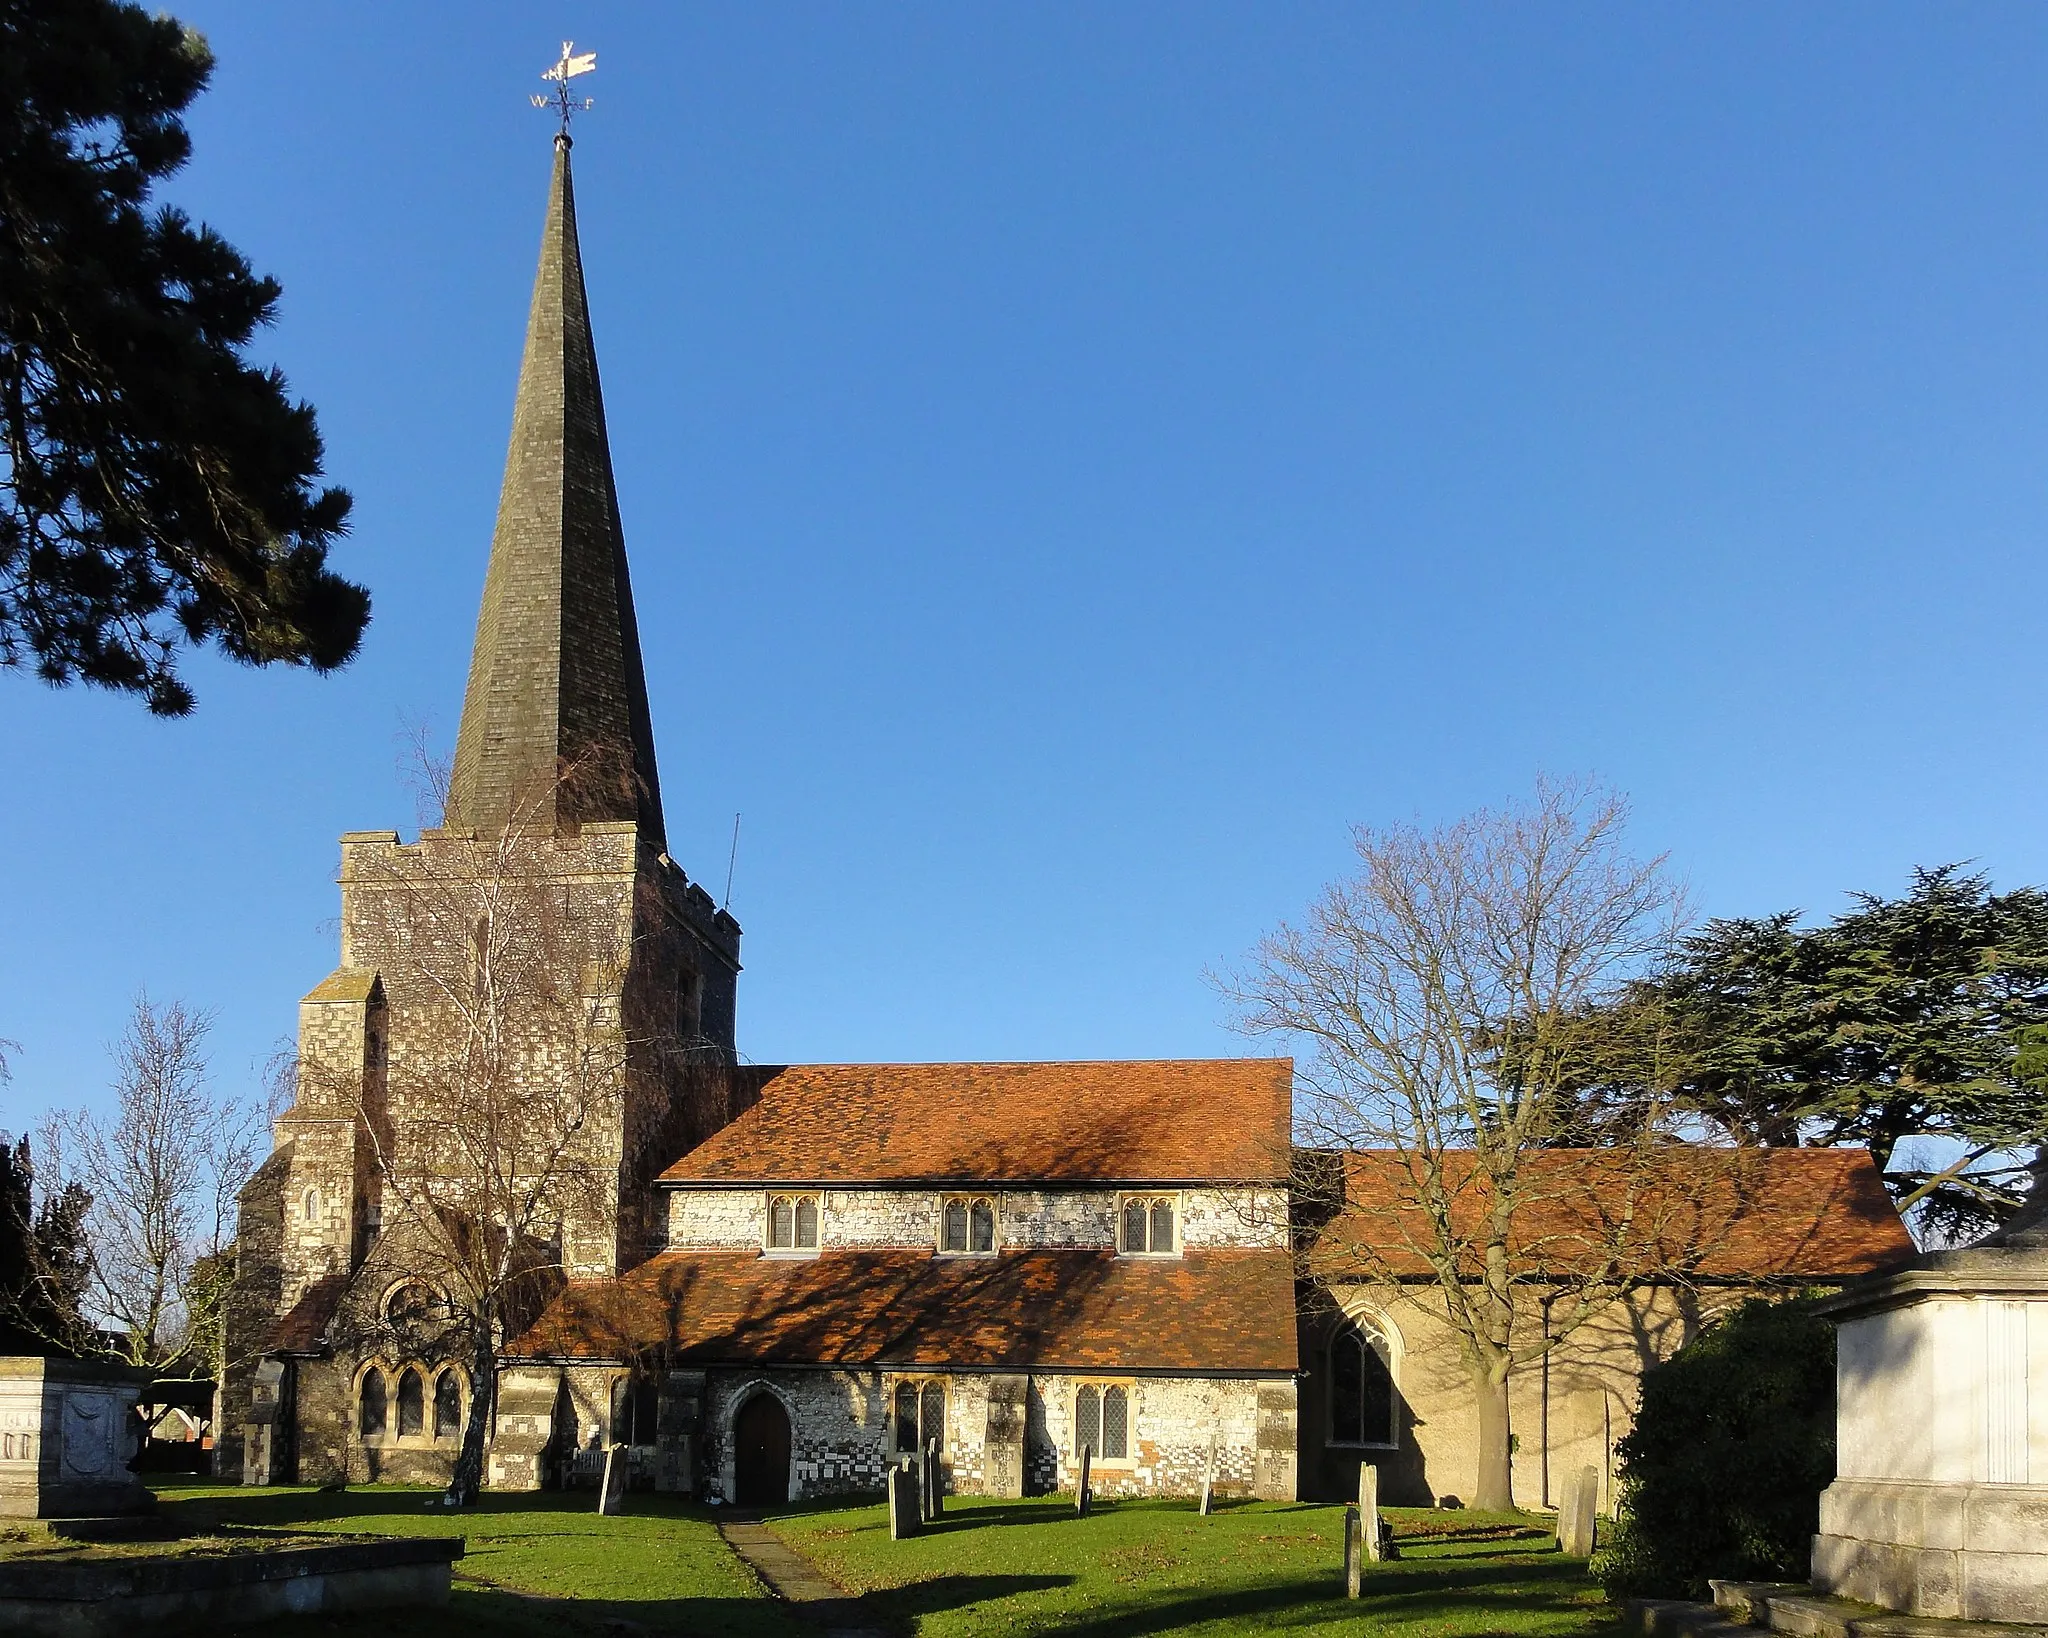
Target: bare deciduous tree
x: 161, y: 1176
x: 1469, y: 1000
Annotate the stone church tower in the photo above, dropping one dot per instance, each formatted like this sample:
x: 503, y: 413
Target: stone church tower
x: 552, y: 815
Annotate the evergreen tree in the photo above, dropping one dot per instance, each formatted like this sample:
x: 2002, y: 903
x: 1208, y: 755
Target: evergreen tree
x: 1901, y: 1018
x: 44, y: 1261
x: 156, y: 489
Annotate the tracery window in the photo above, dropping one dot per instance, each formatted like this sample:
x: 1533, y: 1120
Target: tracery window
x: 412, y: 1404
x: 371, y: 1405
x: 793, y: 1222
x: 919, y: 1415
x: 1102, y: 1422
x: 414, y: 1303
x: 1147, y: 1226
x: 967, y: 1225
x: 1361, y: 1386
x: 448, y: 1406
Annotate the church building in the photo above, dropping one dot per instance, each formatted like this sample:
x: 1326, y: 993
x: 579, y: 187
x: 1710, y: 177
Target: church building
x: 768, y: 1282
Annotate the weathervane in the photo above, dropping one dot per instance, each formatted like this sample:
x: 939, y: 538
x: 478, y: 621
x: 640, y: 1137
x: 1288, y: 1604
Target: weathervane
x: 562, y: 73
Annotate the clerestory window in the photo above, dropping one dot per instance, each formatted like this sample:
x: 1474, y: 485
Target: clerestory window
x: 967, y: 1225
x: 793, y: 1222
x: 1147, y: 1226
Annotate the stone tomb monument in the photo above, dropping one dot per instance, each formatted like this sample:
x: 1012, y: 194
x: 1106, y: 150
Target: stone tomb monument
x: 67, y: 1435
x: 1940, y: 1504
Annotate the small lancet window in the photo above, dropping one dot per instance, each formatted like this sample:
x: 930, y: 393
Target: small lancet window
x: 1087, y: 1422
x: 370, y: 1409
x: 906, y: 1416
x: 312, y: 1205
x: 412, y: 1404
x: 931, y: 1415
x: 447, y: 1406
x: 793, y: 1222
x: 1116, y: 1425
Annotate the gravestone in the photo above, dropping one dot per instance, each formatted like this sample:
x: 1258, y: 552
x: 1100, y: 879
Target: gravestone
x: 1081, y: 1489
x: 1369, y: 1508
x: 611, y: 1489
x: 67, y: 1435
x: 1209, y: 1478
x: 1354, y: 1553
x: 934, y: 1481
x: 1575, y: 1513
x: 1002, y: 1460
x: 904, y: 1517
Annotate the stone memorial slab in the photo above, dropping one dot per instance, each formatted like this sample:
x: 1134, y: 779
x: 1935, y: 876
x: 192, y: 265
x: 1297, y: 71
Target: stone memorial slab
x: 1354, y: 1553
x: 1002, y: 1451
x: 1575, y: 1513
x: 67, y: 1435
x: 1209, y: 1478
x: 934, y: 1481
x: 1939, y: 1505
x: 1081, y: 1487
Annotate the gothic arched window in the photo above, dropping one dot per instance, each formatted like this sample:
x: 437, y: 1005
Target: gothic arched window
x: 447, y: 1406
x: 412, y: 1404
x: 1087, y: 1422
x: 793, y: 1222
x: 1148, y: 1226
x: 370, y: 1406
x: 931, y: 1415
x: 1361, y: 1386
x: 967, y: 1225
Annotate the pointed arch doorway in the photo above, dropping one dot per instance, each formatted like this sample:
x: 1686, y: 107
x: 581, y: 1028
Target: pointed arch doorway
x: 760, y: 1437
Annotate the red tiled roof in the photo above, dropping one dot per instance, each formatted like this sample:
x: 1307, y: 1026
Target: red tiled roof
x: 1148, y: 1121
x: 303, y: 1329
x: 1084, y: 1310
x: 1820, y: 1214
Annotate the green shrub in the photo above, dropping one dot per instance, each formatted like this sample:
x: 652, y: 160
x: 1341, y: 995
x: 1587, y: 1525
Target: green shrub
x: 1733, y: 1445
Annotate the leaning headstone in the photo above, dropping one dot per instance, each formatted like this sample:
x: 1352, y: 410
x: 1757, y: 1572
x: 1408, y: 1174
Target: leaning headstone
x: 903, y: 1506
x: 934, y: 1481
x: 1575, y: 1513
x: 1209, y: 1478
x: 1081, y: 1489
x: 611, y: 1491
x: 1369, y: 1508
x: 1354, y: 1553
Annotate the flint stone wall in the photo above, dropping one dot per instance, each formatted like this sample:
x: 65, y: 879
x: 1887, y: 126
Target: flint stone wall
x: 1078, y: 1219
x: 842, y: 1440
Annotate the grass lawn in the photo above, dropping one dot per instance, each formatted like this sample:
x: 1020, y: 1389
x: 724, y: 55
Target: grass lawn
x: 1157, y: 1567
x: 547, y: 1566
x: 536, y: 1565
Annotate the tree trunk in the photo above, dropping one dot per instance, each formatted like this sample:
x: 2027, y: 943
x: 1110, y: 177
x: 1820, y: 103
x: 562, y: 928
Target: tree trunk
x: 468, y: 1479
x: 1493, y: 1487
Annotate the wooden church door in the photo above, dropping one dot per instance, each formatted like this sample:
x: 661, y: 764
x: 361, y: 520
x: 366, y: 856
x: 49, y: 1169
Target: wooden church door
x: 761, y: 1453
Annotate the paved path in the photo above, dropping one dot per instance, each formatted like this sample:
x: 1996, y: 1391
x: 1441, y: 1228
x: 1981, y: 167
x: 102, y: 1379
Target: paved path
x: 790, y: 1576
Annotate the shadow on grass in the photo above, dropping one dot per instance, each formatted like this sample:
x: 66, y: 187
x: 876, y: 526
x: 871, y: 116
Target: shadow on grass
x: 1472, y: 1603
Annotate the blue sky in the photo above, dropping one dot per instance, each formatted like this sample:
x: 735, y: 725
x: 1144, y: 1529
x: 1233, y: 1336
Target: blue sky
x: 1079, y: 459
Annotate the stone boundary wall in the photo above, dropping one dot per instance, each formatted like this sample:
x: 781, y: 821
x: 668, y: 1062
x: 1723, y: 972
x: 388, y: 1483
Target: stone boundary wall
x: 138, y: 1596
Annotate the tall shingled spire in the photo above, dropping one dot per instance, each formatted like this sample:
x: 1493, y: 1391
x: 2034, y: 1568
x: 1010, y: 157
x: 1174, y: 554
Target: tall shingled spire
x: 555, y: 683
